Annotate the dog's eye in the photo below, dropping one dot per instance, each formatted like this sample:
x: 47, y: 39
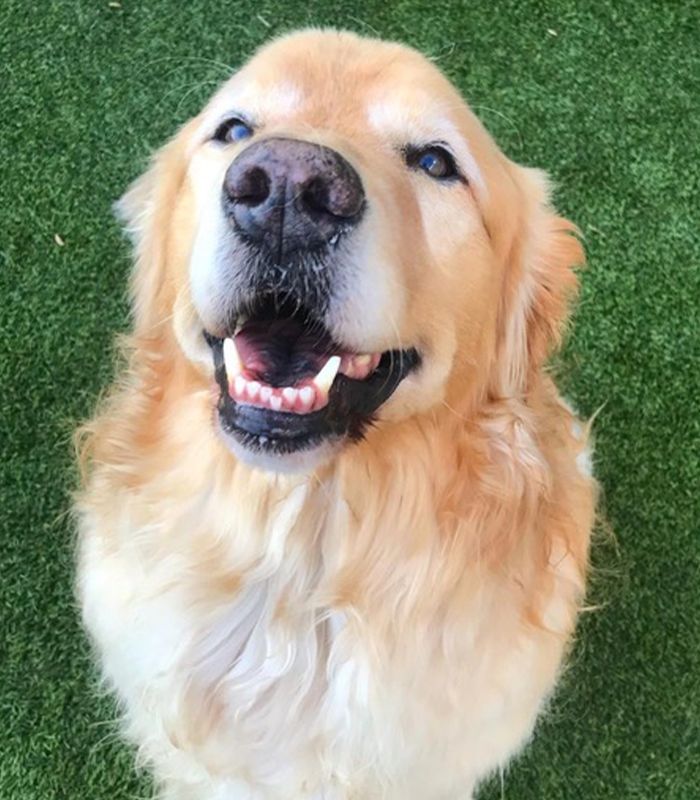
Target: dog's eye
x: 434, y: 161
x: 233, y: 130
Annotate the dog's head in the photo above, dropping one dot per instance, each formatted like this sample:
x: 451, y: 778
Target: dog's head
x: 336, y: 240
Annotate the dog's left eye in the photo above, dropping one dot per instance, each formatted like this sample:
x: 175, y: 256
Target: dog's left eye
x: 233, y: 130
x: 433, y: 160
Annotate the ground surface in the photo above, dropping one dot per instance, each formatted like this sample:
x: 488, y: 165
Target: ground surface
x: 605, y: 96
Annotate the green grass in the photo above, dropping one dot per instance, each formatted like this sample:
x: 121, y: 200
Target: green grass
x: 605, y: 96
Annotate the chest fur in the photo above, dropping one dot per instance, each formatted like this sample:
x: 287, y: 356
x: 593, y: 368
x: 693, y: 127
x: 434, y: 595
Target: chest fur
x: 266, y: 654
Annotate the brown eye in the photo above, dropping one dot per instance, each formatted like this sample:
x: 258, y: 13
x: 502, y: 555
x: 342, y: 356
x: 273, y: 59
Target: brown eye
x: 434, y: 161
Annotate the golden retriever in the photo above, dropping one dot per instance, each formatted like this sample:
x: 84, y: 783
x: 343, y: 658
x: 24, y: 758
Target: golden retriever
x: 336, y: 517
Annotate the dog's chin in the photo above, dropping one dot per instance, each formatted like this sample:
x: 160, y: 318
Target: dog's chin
x: 308, y: 457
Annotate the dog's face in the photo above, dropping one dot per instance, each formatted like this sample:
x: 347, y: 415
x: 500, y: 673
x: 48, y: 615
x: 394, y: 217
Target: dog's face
x: 336, y: 240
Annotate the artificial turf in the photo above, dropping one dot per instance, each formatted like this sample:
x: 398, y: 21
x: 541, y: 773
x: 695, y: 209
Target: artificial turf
x: 604, y: 95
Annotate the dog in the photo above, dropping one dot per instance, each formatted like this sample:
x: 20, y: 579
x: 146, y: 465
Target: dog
x: 335, y: 519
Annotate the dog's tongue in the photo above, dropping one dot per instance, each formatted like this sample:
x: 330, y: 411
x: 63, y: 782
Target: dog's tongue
x: 281, y: 352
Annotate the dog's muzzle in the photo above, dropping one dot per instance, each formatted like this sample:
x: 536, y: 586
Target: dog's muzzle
x: 287, y: 383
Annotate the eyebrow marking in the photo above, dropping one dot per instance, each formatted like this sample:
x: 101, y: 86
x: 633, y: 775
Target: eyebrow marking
x: 284, y: 98
x: 279, y: 98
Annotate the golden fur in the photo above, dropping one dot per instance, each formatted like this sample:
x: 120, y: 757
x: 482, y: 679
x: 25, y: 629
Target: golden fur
x: 388, y: 623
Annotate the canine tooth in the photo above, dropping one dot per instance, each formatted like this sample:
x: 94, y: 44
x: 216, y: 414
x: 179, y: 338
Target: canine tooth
x: 290, y: 395
x: 232, y: 361
x: 306, y: 397
x: 326, y: 376
x: 276, y: 402
x: 239, y: 385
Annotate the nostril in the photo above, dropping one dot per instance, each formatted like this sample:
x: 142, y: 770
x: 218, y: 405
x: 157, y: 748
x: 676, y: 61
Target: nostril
x: 333, y: 197
x: 252, y: 187
x: 315, y: 197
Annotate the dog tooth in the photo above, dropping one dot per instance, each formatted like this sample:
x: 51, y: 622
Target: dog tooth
x: 232, y: 361
x: 253, y: 389
x: 265, y: 394
x: 326, y: 376
x: 239, y: 385
x: 363, y: 365
x: 276, y: 402
x: 290, y: 395
x: 240, y: 322
x: 306, y: 397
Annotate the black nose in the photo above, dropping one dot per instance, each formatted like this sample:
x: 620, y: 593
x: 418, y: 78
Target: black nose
x: 289, y: 195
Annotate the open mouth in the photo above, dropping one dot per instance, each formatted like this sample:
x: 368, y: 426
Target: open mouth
x: 286, y: 385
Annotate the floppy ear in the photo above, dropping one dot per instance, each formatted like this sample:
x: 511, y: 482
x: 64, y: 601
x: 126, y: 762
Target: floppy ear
x: 146, y: 211
x: 540, y: 282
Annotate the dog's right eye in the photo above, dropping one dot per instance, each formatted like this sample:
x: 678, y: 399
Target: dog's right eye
x: 233, y: 130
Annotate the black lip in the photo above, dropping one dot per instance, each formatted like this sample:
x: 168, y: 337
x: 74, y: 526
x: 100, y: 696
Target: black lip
x: 350, y: 410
